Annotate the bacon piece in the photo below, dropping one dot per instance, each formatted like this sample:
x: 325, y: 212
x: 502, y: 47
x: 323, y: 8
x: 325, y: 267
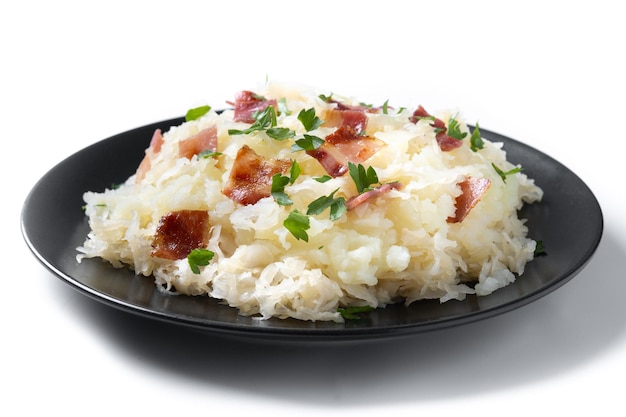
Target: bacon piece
x: 445, y: 142
x: 472, y: 190
x: 359, y: 199
x: 247, y: 103
x: 357, y: 148
x: 251, y: 176
x: 204, y: 140
x: 155, y: 147
x: 331, y: 159
x: 180, y: 232
x: 359, y: 107
x: 355, y: 119
x: 342, y: 146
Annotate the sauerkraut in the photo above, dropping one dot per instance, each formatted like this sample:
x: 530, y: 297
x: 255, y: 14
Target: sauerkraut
x: 400, y: 245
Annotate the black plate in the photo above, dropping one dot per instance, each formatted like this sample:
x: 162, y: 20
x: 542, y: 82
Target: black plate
x: 53, y: 225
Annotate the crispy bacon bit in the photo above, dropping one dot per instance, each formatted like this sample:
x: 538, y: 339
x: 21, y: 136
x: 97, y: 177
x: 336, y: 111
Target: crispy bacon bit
x: 359, y: 107
x: 247, y: 103
x: 342, y: 146
x: 251, y: 176
x: 155, y: 147
x: 180, y: 232
x: 472, y: 190
x: 445, y: 142
x: 204, y: 140
x: 357, y: 200
x: 355, y: 119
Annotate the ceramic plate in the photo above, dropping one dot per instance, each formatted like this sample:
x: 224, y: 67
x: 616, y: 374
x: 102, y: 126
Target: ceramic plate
x: 53, y: 225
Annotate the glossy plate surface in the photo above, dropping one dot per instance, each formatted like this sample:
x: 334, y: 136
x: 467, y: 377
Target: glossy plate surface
x: 53, y: 225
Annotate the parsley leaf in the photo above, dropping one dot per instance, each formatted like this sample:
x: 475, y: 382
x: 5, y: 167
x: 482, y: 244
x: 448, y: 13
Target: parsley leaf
x: 476, y: 141
x: 362, y: 178
x: 196, y: 113
x: 454, y: 130
x: 294, y: 173
x: 199, y: 257
x: 504, y: 174
x: 326, y: 98
x: 352, y: 313
x: 298, y: 223
x: 307, y: 143
x: 338, y: 208
x: 386, y: 107
x: 309, y: 120
x: 262, y: 120
x: 337, y: 205
x: 323, y: 178
x: 278, y: 190
x: 280, y: 133
x: 208, y: 153
x: 539, y: 248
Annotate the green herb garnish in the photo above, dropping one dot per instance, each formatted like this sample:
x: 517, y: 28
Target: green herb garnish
x: 326, y: 98
x: 386, y: 107
x: 476, y: 141
x: 262, y: 121
x: 352, y: 313
x: 309, y: 120
x: 454, y: 130
x: 298, y: 223
x: 504, y: 174
x: 337, y: 206
x: 278, y: 190
x: 307, y: 143
x: 196, y: 113
x: 323, y: 178
x: 363, y: 178
x: 280, y: 133
x: 539, y: 248
x: 199, y: 257
x: 208, y: 154
x: 294, y: 173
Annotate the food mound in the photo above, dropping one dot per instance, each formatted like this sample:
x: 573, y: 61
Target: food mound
x: 304, y: 204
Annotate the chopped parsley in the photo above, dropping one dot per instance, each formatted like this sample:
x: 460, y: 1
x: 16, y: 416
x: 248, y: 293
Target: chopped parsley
x: 208, y: 154
x: 279, y: 182
x: 262, y: 121
x: 266, y: 120
x: 504, y: 174
x: 309, y: 120
x: 363, y: 178
x: 454, y: 130
x: 280, y: 133
x: 352, y: 313
x: 539, y: 248
x: 294, y: 172
x: 323, y: 179
x: 307, y: 143
x: 476, y: 141
x: 199, y: 257
x: 337, y: 206
x: 298, y: 223
x: 196, y: 113
x: 278, y: 190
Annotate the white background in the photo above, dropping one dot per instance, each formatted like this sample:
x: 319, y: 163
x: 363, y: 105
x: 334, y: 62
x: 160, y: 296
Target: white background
x: 550, y: 74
